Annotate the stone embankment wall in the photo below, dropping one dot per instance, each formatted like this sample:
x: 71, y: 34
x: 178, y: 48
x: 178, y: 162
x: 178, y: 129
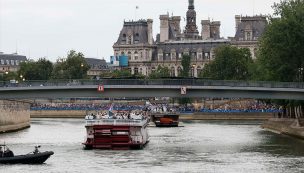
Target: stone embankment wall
x: 292, y: 127
x: 14, y: 115
x: 58, y: 114
x: 227, y: 116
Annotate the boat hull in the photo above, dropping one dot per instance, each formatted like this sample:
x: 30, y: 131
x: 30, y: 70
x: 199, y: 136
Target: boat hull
x: 166, y: 120
x: 38, y: 158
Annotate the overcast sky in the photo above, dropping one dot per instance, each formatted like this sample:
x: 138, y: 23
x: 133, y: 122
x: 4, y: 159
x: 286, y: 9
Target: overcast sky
x: 50, y: 28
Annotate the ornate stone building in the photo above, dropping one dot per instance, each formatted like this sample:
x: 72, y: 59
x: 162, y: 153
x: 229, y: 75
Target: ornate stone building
x: 145, y: 55
x: 248, y: 30
x: 10, y: 62
x: 136, y: 41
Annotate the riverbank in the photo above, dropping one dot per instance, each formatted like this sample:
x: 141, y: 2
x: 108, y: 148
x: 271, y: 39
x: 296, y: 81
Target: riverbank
x: 227, y: 116
x: 195, y: 116
x: 291, y: 127
x: 14, y: 116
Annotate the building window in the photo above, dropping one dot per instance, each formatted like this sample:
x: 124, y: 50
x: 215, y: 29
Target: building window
x: 2, y: 61
x: 153, y: 69
x: 160, y: 57
x: 136, y: 38
x: 135, y: 70
x: 135, y: 55
x: 172, y: 72
x: 200, y: 57
x: 140, y: 71
x: 248, y: 36
x: 173, y: 55
x: 179, y: 71
x: 199, y: 70
x: 7, y: 62
x: 124, y: 38
x: 12, y: 62
x: 192, y: 71
x: 122, y: 53
x: 130, y: 55
x: 206, y: 56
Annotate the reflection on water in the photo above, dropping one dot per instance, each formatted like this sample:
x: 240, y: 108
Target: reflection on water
x: 200, y: 146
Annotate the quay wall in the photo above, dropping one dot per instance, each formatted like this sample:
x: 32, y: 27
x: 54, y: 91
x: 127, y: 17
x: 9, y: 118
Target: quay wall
x: 291, y: 127
x: 195, y: 116
x: 14, y: 115
x: 227, y: 116
x: 58, y: 114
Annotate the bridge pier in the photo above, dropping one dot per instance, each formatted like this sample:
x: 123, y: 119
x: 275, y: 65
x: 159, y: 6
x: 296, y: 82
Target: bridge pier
x: 14, y: 115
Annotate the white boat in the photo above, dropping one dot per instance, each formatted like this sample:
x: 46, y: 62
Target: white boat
x: 119, y: 130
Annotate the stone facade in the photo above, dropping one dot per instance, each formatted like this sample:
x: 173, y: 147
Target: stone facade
x: 97, y: 67
x: 145, y: 54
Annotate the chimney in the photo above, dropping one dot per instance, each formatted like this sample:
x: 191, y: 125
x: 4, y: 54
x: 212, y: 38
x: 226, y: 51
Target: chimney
x: 164, y: 28
x: 205, y: 29
x: 150, y: 31
x: 237, y: 22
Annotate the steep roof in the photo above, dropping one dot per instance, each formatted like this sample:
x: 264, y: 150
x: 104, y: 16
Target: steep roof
x: 137, y: 29
x: 256, y: 23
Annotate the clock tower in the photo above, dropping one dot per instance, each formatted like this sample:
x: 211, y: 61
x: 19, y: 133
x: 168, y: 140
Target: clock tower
x: 191, y: 31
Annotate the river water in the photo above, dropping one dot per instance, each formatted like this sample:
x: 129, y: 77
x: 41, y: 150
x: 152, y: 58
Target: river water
x: 199, y: 146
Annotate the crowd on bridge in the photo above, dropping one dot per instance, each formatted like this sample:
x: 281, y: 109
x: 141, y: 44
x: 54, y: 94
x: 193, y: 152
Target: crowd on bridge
x: 159, y: 107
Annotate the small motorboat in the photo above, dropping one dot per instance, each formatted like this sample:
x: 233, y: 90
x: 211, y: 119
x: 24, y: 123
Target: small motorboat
x: 36, y: 157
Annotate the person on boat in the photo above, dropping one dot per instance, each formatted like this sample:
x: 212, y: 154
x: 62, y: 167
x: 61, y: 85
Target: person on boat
x: 8, y: 153
x: 36, y: 151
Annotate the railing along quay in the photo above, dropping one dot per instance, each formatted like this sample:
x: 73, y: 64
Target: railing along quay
x: 155, y: 82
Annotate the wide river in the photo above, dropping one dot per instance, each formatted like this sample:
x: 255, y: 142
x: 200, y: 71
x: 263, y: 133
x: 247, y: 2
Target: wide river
x: 199, y: 146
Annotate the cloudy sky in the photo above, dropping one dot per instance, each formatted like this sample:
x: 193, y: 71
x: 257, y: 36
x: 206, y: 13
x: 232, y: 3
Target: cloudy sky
x: 50, y: 28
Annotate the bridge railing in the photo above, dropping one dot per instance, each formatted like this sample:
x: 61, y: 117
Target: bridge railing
x: 151, y: 82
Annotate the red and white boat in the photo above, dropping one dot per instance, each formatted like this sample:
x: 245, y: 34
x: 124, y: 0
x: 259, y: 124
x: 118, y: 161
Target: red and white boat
x: 116, y: 131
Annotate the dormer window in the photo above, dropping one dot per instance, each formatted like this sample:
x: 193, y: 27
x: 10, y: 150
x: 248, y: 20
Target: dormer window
x: 136, y: 38
x: 124, y: 38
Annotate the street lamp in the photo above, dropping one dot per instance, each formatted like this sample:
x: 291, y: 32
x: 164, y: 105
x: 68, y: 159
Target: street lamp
x: 21, y: 76
x: 23, y: 79
x: 6, y: 72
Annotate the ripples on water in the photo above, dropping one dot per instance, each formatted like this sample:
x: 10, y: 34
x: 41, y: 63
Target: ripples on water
x: 200, y: 146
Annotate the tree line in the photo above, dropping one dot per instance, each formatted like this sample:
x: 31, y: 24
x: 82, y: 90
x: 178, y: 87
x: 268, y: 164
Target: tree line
x: 73, y: 66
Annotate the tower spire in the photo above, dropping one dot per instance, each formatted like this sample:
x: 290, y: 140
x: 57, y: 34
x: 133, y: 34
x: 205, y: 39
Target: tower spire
x: 191, y: 5
x: 191, y: 31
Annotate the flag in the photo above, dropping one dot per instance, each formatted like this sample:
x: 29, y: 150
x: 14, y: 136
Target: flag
x: 137, y: 7
x: 111, y: 107
x: 110, y: 111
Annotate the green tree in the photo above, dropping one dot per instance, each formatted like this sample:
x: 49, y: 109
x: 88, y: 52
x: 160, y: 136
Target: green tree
x: 160, y: 72
x: 186, y: 62
x: 124, y: 73
x: 9, y: 76
x: 39, y: 70
x: 230, y: 63
x: 73, y: 67
x: 281, y: 52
